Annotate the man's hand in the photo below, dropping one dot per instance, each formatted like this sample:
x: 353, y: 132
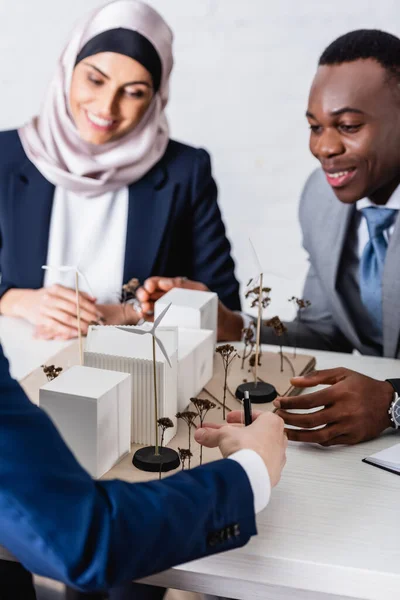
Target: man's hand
x: 265, y: 435
x: 230, y: 324
x: 354, y: 408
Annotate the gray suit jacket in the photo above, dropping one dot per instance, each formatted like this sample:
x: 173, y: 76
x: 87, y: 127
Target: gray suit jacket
x: 326, y: 225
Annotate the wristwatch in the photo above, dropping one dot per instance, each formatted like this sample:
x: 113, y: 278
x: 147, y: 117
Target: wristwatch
x: 394, y: 408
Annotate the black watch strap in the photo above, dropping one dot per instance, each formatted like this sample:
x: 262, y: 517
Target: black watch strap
x: 395, y: 383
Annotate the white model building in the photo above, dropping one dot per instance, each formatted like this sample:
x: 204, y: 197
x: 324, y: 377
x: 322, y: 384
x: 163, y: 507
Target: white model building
x: 195, y: 363
x: 190, y: 309
x: 108, y: 347
x: 92, y: 411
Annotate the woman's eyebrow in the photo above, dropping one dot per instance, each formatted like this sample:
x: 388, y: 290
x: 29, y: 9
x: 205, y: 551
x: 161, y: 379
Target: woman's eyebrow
x: 125, y: 84
x: 141, y: 82
x: 97, y: 69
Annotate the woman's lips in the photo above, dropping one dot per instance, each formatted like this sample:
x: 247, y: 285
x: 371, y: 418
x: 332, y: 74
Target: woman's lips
x: 340, y: 178
x: 99, y: 122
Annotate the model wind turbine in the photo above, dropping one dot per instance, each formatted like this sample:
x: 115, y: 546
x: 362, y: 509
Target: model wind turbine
x: 259, y: 391
x: 154, y: 458
x: 78, y: 273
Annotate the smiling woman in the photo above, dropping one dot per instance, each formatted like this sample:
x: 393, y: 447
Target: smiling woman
x: 105, y: 188
x: 104, y: 107
x: 95, y: 182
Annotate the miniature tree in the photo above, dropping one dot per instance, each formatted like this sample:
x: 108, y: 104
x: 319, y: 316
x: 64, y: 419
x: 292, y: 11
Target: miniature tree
x: 184, y: 454
x: 259, y: 391
x: 202, y: 407
x: 228, y: 354
x: 128, y: 295
x: 249, y: 341
x: 300, y: 304
x: 280, y: 329
x: 252, y: 361
x: 51, y: 371
x: 189, y: 417
x: 164, y: 423
x: 254, y: 295
x: 260, y: 298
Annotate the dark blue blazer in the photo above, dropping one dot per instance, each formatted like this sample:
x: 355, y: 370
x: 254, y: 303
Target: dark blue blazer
x: 174, y: 223
x: 94, y: 535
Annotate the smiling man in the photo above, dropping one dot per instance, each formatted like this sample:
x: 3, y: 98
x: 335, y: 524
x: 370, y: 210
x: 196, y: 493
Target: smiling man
x: 348, y: 216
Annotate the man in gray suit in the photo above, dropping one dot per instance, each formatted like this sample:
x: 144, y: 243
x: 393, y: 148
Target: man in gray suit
x: 348, y: 216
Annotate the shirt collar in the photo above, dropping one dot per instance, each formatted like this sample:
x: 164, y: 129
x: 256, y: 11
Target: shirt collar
x: 393, y: 202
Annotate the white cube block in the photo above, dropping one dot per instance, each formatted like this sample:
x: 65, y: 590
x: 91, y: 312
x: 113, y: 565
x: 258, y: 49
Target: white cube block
x: 195, y: 363
x: 108, y: 347
x: 92, y: 411
x: 190, y: 309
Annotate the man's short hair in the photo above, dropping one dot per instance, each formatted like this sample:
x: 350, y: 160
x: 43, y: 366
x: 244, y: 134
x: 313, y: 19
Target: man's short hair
x: 365, y: 44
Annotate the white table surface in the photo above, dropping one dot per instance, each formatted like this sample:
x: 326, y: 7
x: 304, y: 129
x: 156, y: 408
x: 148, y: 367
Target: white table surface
x: 23, y: 351
x: 331, y: 529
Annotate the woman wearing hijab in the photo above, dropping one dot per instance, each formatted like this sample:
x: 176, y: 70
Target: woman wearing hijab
x: 95, y: 182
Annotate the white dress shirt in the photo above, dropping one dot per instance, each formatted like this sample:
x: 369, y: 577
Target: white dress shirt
x: 89, y: 233
x: 258, y: 476
x: 363, y: 235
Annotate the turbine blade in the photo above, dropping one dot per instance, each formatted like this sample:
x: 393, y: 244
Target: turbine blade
x: 163, y: 350
x: 85, y: 279
x: 256, y: 259
x: 137, y: 331
x: 160, y: 318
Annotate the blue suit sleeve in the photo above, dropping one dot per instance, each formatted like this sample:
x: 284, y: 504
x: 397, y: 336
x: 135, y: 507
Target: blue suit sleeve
x: 213, y: 264
x: 4, y: 286
x: 94, y: 535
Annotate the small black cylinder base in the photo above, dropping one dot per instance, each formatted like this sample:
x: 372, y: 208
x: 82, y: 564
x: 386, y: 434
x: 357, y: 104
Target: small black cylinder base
x: 145, y: 459
x: 259, y: 394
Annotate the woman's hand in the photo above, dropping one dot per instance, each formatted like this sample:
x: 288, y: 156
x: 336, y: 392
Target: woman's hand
x: 52, y: 310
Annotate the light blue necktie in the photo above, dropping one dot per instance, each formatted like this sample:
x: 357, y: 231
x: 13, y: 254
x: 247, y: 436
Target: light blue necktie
x: 373, y: 260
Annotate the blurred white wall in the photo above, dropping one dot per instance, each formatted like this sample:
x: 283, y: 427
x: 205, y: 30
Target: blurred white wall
x: 239, y: 89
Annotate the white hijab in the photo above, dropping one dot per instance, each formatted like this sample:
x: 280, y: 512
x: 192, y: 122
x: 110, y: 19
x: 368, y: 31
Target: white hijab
x: 51, y: 140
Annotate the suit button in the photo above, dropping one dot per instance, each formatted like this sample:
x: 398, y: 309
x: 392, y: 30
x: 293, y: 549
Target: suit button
x: 212, y: 539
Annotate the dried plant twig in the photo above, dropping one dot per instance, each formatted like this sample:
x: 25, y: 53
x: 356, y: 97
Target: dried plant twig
x: 249, y: 342
x: 164, y: 423
x: 228, y: 354
x: 301, y: 305
x: 260, y: 297
x: 184, y: 454
x: 128, y: 296
x: 189, y: 417
x: 51, y: 371
x: 280, y: 329
x: 202, y: 407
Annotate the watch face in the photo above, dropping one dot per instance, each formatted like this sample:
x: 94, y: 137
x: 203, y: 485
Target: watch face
x: 396, y: 412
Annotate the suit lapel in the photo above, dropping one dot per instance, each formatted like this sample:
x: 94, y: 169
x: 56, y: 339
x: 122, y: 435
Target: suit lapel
x: 391, y: 295
x: 31, y: 200
x: 150, y: 203
x: 339, y: 219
